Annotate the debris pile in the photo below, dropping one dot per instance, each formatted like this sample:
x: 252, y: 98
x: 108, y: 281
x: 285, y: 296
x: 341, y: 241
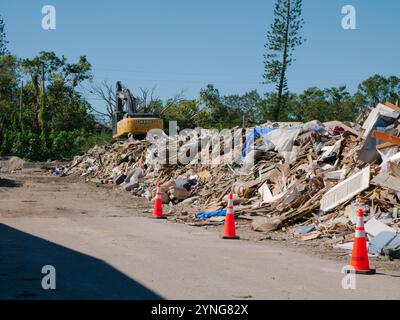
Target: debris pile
x: 9, y: 164
x: 307, y: 179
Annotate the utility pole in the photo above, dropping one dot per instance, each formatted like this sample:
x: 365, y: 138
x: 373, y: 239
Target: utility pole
x: 42, y: 110
x: 20, y: 104
x: 43, y: 83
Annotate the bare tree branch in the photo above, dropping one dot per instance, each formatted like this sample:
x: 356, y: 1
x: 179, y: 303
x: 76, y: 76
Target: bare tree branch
x: 177, y: 99
x: 105, y: 92
x: 146, y: 99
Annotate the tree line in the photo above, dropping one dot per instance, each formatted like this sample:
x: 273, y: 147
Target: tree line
x: 213, y: 110
x: 44, y: 115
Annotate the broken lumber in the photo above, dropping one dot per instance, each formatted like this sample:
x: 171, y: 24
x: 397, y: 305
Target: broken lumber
x: 386, y: 137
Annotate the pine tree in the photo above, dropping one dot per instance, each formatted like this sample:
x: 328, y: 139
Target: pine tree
x: 282, y: 39
x: 3, y: 41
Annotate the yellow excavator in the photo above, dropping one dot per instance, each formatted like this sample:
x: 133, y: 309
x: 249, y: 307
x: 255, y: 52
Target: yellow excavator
x: 126, y: 119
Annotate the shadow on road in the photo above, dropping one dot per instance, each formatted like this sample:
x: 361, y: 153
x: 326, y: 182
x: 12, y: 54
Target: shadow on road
x: 7, y: 183
x: 78, y: 276
x: 388, y: 274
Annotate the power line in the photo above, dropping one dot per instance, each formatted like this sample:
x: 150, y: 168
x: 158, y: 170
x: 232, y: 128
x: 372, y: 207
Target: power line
x: 177, y: 73
x: 224, y: 74
x: 184, y: 81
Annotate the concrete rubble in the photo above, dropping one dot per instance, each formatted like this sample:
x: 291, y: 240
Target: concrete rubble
x: 307, y: 180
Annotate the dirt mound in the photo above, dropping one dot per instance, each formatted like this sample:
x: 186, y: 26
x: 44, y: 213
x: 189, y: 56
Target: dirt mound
x: 8, y: 164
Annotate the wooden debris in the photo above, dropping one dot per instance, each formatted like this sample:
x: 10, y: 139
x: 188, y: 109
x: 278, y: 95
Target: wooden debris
x: 386, y: 137
x: 325, y: 160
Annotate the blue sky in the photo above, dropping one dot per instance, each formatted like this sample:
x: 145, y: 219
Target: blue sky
x: 185, y: 44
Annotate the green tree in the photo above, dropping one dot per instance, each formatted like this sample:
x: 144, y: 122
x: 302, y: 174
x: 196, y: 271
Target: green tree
x: 291, y: 111
x: 8, y: 77
x: 341, y: 104
x: 282, y: 40
x: 378, y: 89
x: 244, y: 107
x: 313, y: 105
x: 183, y: 112
x: 202, y: 119
x: 210, y: 100
x: 221, y: 112
x: 47, y: 66
x: 8, y: 102
x: 53, y: 120
x: 3, y: 40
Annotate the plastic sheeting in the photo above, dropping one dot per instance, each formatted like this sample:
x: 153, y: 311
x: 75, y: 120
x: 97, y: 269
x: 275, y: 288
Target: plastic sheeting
x: 194, y: 145
x: 254, y: 134
x: 210, y: 214
x: 280, y: 138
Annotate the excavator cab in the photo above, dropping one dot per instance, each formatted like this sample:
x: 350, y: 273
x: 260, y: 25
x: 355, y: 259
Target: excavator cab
x: 129, y: 121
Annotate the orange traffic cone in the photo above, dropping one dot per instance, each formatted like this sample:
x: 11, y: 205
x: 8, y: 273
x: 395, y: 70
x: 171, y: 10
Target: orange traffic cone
x: 158, y: 210
x: 229, y: 229
x: 359, y: 257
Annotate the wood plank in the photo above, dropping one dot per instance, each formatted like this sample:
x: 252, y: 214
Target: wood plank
x: 392, y: 106
x: 386, y: 137
x: 387, y: 181
x: 385, y: 145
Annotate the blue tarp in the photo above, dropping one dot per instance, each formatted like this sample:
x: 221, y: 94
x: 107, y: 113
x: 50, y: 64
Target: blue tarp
x: 262, y: 132
x: 254, y: 134
x: 305, y: 229
x: 210, y: 214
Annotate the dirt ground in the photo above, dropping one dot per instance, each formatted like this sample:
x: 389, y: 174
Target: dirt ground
x: 37, y: 193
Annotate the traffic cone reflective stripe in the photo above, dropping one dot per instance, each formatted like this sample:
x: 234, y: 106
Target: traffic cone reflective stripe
x: 360, y: 222
x: 360, y: 234
x: 229, y: 231
x: 158, y: 210
x: 359, y: 258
